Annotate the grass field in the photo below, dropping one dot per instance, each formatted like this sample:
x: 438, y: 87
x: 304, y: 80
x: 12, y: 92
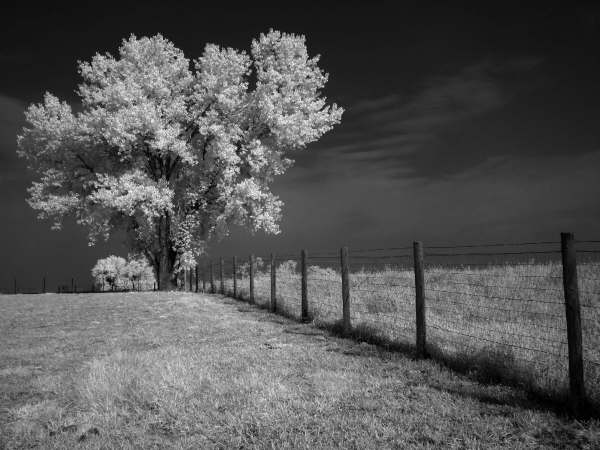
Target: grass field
x: 504, y: 322
x: 181, y: 370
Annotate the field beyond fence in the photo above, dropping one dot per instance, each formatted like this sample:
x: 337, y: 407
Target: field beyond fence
x: 523, y: 313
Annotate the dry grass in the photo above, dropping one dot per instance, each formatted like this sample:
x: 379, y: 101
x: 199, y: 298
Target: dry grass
x: 501, y: 323
x: 178, y: 370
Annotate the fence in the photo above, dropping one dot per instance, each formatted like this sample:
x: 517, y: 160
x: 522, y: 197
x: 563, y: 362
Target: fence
x: 72, y: 286
x: 64, y: 286
x: 527, y: 313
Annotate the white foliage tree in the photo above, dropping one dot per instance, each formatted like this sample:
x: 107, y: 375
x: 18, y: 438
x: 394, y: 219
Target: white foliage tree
x: 173, y: 152
x: 120, y: 273
x: 139, y: 273
x: 110, y: 270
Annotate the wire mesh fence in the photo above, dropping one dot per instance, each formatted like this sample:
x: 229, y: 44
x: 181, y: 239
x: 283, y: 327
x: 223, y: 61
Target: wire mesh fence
x: 497, y: 309
x: 503, y: 307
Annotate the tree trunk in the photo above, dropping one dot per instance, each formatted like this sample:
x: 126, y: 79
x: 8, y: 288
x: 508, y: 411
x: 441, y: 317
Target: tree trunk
x: 167, y: 279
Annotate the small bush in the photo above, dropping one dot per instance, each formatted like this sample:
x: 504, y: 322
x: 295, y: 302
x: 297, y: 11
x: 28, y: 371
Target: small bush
x: 116, y: 273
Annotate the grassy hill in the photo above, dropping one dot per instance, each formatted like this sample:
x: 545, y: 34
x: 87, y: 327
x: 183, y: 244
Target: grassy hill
x: 187, y: 370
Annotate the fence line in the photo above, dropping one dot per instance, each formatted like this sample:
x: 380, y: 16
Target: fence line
x: 528, y: 312
x: 528, y: 320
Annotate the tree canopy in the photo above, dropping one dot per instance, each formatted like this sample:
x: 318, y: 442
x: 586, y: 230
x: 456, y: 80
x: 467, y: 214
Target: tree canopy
x: 173, y: 151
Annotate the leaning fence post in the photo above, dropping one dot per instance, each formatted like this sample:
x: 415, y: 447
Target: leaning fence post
x: 573, y: 313
x: 251, y: 275
x: 273, y: 306
x: 345, y: 290
x: 234, y: 277
x: 419, y: 298
x: 222, y: 276
x: 212, y: 279
x: 304, y: 315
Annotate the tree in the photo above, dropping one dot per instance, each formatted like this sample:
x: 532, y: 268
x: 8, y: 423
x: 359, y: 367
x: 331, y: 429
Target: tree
x: 120, y: 273
x: 175, y: 154
x: 139, y: 272
x: 110, y: 270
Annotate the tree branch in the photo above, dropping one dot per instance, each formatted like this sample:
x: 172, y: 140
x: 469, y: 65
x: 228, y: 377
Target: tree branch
x: 171, y: 167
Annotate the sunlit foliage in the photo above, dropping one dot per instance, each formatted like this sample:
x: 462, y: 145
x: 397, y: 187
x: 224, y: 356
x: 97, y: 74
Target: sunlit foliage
x: 174, y: 151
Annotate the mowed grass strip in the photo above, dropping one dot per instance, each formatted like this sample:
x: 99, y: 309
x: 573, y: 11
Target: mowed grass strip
x: 180, y: 370
x: 506, y: 322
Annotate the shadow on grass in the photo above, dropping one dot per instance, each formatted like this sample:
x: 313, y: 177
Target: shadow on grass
x: 490, y: 366
x: 496, y: 366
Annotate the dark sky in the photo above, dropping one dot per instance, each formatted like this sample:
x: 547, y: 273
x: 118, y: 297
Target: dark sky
x: 462, y: 124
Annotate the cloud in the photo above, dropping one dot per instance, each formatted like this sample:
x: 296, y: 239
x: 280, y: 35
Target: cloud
x: 389, y: 135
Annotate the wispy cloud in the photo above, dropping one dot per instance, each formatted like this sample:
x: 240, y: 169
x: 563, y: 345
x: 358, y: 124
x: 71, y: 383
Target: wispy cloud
x: 385, y: 133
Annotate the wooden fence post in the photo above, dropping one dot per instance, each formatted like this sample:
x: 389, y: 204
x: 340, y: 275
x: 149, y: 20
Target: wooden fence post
x: 345, y: 290
x: 196, y: 277
x: 251, y: 275
x: 577, y: 397
x: 103, y: 286
x: 213, y: 289
x: 234, y: 277
x: 222, y: 276
x: 72, y: 285
x: 44, y: 285
x: 191, y: 286
x: 204, y: 277
x: 15, y: 284
x: 303, y: 263
x: 419, y: 298
x: 273, y: 306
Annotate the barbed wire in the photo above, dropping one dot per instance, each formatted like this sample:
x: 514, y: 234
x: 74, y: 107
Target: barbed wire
x: 558, y: 355
x: 503, y: 332
x: 387, y: 285
x: 366, y: 250
x: 558, y: 290
x: 496, y: 308
x: 487, y: 274
x: 491, y: 297
x: 541, y: 252
x: 375, y: 258
x: 464, y: 344
x: 497, y: 244
x: 329, y: 280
